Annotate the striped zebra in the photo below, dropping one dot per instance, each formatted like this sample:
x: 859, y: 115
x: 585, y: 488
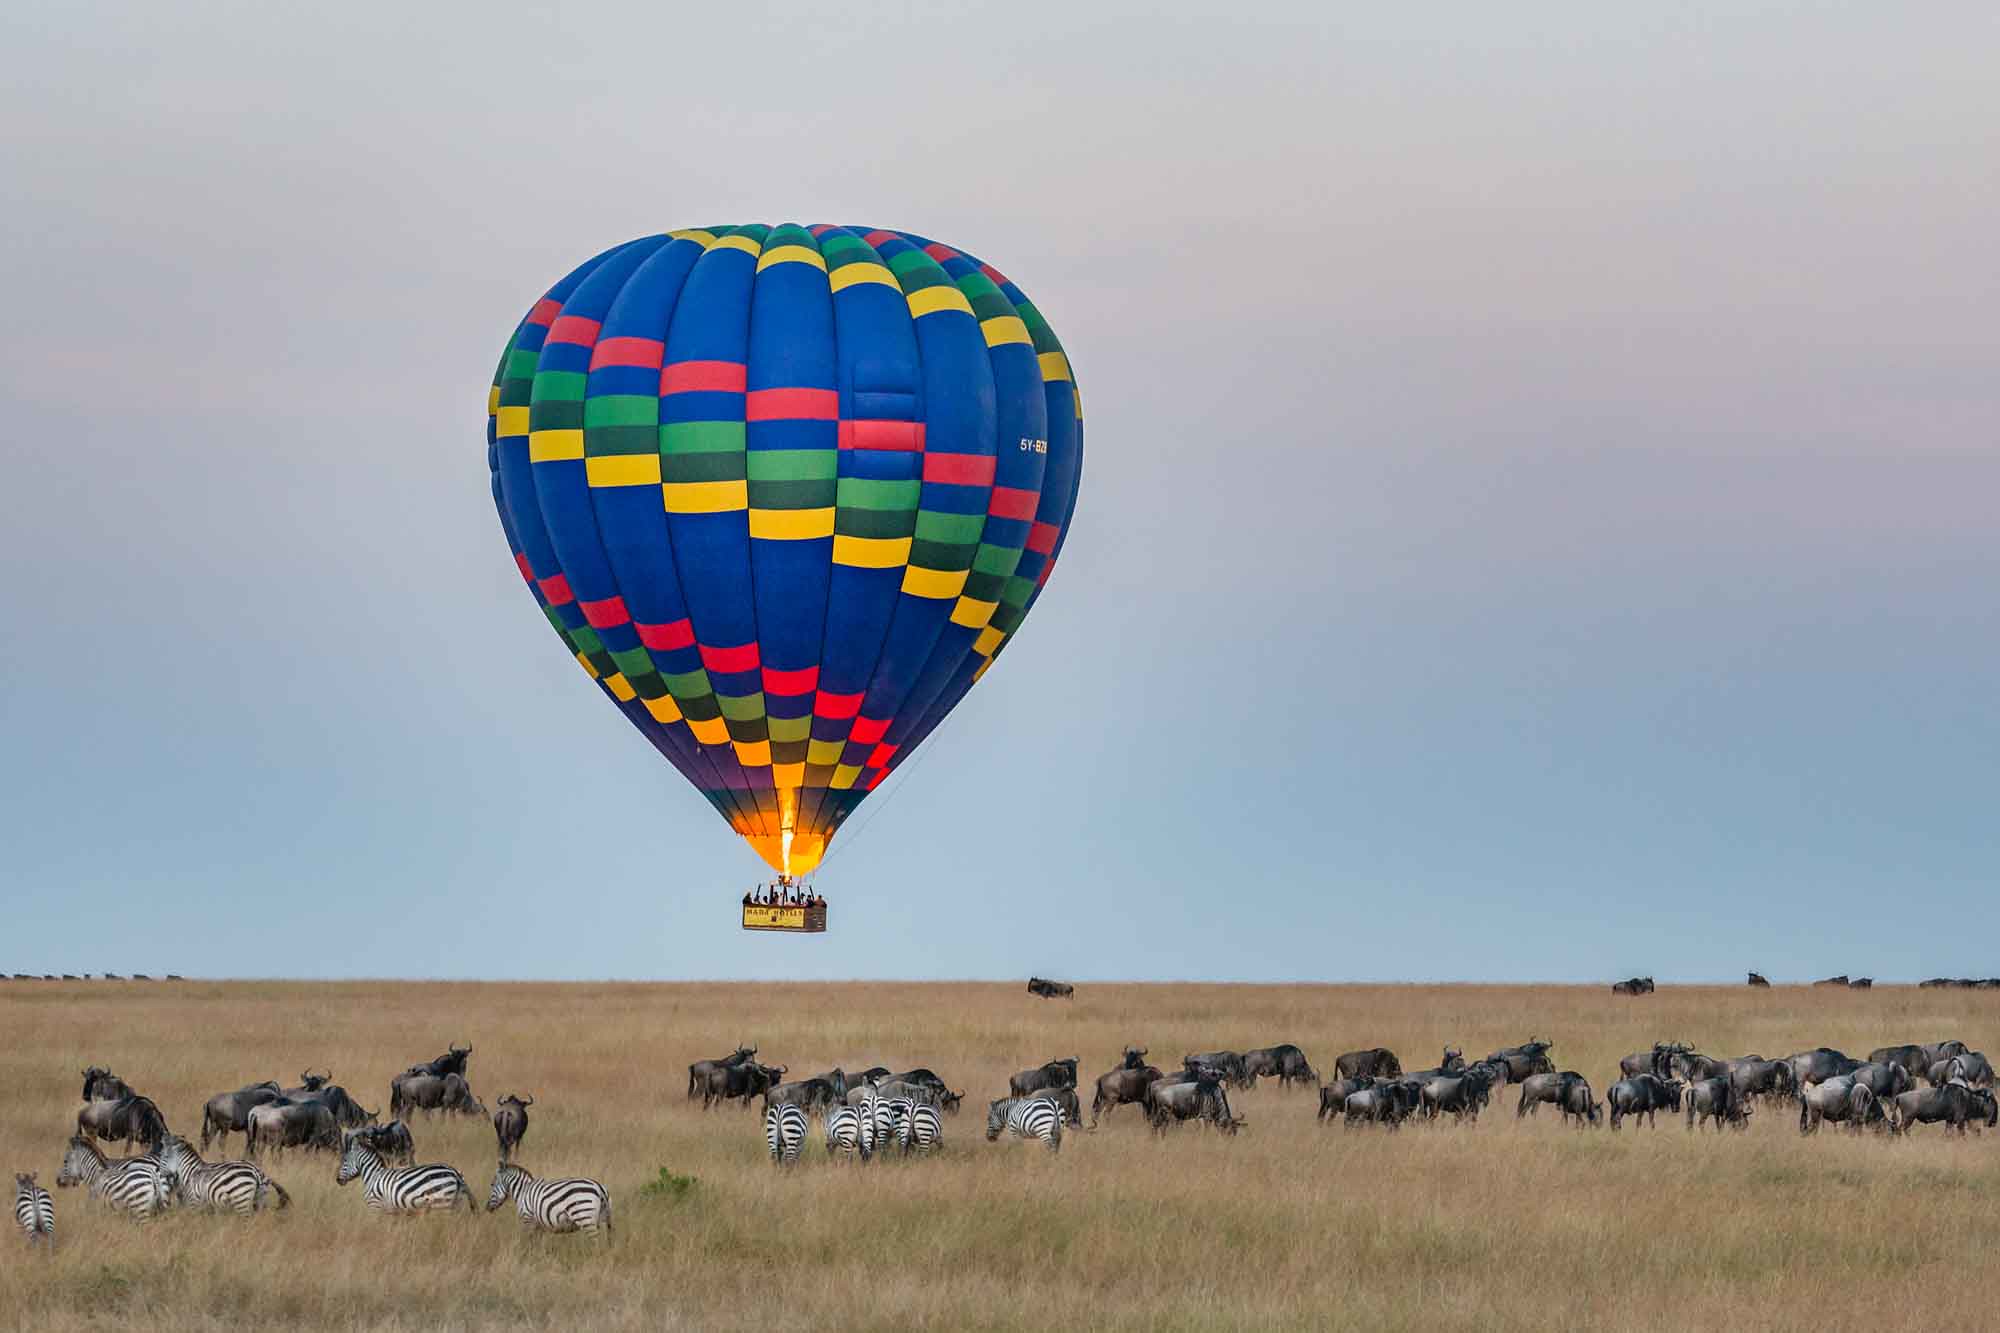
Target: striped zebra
x: 888, y: 1115
x: 233, y: 1187
x: 572, y: 1204
x: 400, y: 1189
x: 848, y: 1131
x: 785, y: 1131
x: 34, y: 1210
x: 1026, y: 1118
x: 923, y: 1128
x: 137, y: 1185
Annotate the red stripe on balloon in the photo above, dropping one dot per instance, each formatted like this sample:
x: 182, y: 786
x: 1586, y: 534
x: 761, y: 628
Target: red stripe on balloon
x: 556, y: 589
x: 890, y: 436
x: 703, y: 377
x: 1042, y: 538
x: 666, y: 638
x: 959, y: 469
x: 743, y: 657
x: 1012, y: 502
x: 836, y: 705
x: 605, y: 613
x: 791, y: 405
x: 545, y: 311
x: 868, y: 730
x: 574, y: 329
x: 646, y: 353
x: 802, y: 681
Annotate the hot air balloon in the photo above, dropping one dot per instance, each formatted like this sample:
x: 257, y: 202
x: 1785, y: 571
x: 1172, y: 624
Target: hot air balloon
x: 785, y: 493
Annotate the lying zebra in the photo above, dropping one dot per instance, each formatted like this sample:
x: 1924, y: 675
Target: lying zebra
x: 137, y: 1185
x: 400, y: 1189
x: 571, y: 1204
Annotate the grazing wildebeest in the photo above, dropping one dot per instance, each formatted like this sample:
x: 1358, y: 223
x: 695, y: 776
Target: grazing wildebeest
x: 1539, y: 1088
x: 1066, y: 1099
x: 1820, y: 1064
x: 1123, y: 1086
x: 390, y: 1142
x: 1229, y: 1064
x: 1633, y: 986
x: 1695, y: 1068
x: 1838, y: 1099
x: 1530, y: 1057
x: 1884, y: 1080
x: 924, y: 1094
x: 1051, y: 990
x: 1642, y: 1095
x: 836, y: 1078
x: 228, y: 1112
x: 1284, y: 1062
x: 1453, y: 1062
x: 1840, y: 981
x: 1333, y: 1096
x: 1202, y: 1099
x: 431, y: 1092
x: 1377, y: 1062
x: 510, y: 1123
x: 1054, y: 1074
x: 1579, y: 1104
x: 1954, y: 1105
x: 1714, y: 1099
x: 1384, y: 1103
x: 918, y: 1075
x: 701, y: 1071
x: 1757, y: 1077
x: 101, y: 1085
x: 130, y: 1117
x: 285, y: 1124
x: 1757, y: 979
x: 347, y: 1113
x: 808, y: 1094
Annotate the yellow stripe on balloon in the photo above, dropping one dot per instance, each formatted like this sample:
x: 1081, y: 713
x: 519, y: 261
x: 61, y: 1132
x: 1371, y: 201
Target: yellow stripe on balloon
x: 554, y: 446
x: 623, y: 470
x: 705, y: 238
x: 1003, y: 329
x: 753, y: 754
x: 584, y: 662
x: 710, y: 731
x: 843, y: 777
x: 930, y: 300
x: 853, y: 275
x: 746, y: 244
x: 510, y: 421
x: 664, y: 709
x: 621, y: 688
x: 871, y: 552
x: 791, y: 525
x: 492, y: 400
x: 792, y: 254
x: 705, y: 497
x: 989, y: 639
x: 824, y: 752
x: 934, y: 584
x: 973, y: 614
x: 1055, y: 366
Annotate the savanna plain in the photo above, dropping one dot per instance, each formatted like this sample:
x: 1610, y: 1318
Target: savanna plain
x: 1508, y: 1224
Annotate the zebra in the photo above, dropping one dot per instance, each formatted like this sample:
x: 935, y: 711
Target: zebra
x: 922, y: 1128
x: 34, y: 1209
x: 847, y: 1130
x: 235, y: 1187
x: 573, y: 1204
x: 888, y: 1115
x: 1026, y: 1118
x: 400, y: 1189
x: 785, y: 1131
x: 138, y: 1185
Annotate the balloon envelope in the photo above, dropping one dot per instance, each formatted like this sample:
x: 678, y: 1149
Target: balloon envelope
x: 785, y: 493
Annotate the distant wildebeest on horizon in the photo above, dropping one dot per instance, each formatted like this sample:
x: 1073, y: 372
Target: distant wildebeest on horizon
x: 1051, y: 990
x: 1840, y: 981
x: 1861, y: 983
x: 1757, y: 979
x: 1633, y: 986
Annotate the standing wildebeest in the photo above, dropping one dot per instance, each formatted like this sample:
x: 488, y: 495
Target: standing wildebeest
x: 809, y: 1094
x: 1909, y: 1057
x: 1377, y: 1062
x: 1202, y: 1099
x: 1633, y: 986
x: 1972, y: 1069
x: 702, y: 1071
x: 101, y: 1085
x: 284, y: 1124
x: 1755, y: 1077
x: 1579, y: 1104
x: 1461, y: 1094
x: 1066, y: 1100
x: 347, y: 1113
x: 1051, y: 990
x: 1838, y: 1099
x: 128, y: 1118
x: 1935, y: 1051
x: 510, y: 1124
x: 451, y: 1062
x: 1861, y: 983
x: 740, y: 1082
x: 1642, y: 1095
x: 1715, y: 1099
x: 1530, y: 1057
x: 1230, y: 1064
x: 1757, y: 979
x: 1054, y: 1074
x: 1840, y: 981
x: 1954, y: 1105
x: 1885, y: 1080
x: 1121, y: 1087
x: 1284, y: 1062
x: 1134, y: 1058
x: 390, y: 1142
x: 1820, y: 1064
x: 228, y: 1112
x: 1539, y: 1088
x: 1333, y: 1096
x: 431, y: 1092
x: 1383, y: 1103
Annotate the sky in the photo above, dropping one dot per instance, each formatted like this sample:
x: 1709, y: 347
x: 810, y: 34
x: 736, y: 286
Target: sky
x: 1537, y: 522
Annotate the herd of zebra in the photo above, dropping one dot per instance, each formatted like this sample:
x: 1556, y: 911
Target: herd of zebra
x: 318, y: 1115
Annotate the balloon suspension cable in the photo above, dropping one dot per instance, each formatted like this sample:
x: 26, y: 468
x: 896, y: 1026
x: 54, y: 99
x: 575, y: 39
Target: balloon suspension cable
x: 930, y: 747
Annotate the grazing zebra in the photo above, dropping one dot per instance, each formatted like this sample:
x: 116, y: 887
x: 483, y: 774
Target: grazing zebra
x: 1026, y: 1118
x: 572, y: 1204
x: 785, y: 1131
x: 234, y: 1187
x: 922, y: 1129
x: 400, y: 1189
x: 34, y: 1209
x: 137, y: 1185
x: 849, y: 1131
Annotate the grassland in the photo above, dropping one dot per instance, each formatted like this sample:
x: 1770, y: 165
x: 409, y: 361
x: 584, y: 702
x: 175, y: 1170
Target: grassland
x: 1503, y: 1226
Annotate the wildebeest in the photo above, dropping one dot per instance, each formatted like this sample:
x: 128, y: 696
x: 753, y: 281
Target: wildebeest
x: 1935, y: 1051
x: 1633, y: 986
x: 1054, y: 1074
x: 1539, y: 1088
x: 130, y: 1117
x: 1861, y: 983
x: 1383, y: 1103
x: 701, y: 1071
x: 1578, y: 1104
x: 1066, y: 1099
x: 1838, y: 1099
x: 1051, y: 990
x: 1284, y: 1062
x: 1123, y: 1086
x: 1452, y: 1063
x: 1461, y: 1094
x: 836, y: 1078
x: 740, y: 1082
x: 228, y: 1113
x: 1757, y: 1077
x: 1954, y: 1105
x: 1884, y: 1080
x: 1715, y: 1100
x: 1530, y: 1057
x: 309, y: 1083
x: 1820, y: 1064
x: 1200, y: 1099
x: 1376, y: 1062
x: 101, y: 1085
x: 1910, y: 1057
x: 809, y: 1094
x: 1229, y: 1064
x: 451, y: 1062
x: 1333, y: 1096
x: 391, y: 1142
x: 1840, y: 981
x: 286, y: 1124
x: 510, y: 1123
x: 432, y: 1092
x: 1642, y: 1095
x: 1971, y: 1068
x: 1757, y: 979
x: 1134, y: 1058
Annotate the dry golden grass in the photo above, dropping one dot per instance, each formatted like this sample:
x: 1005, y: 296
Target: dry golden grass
x: 1506, y: 1225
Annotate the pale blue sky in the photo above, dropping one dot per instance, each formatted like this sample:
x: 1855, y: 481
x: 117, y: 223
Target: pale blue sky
x: 1538, y: 520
